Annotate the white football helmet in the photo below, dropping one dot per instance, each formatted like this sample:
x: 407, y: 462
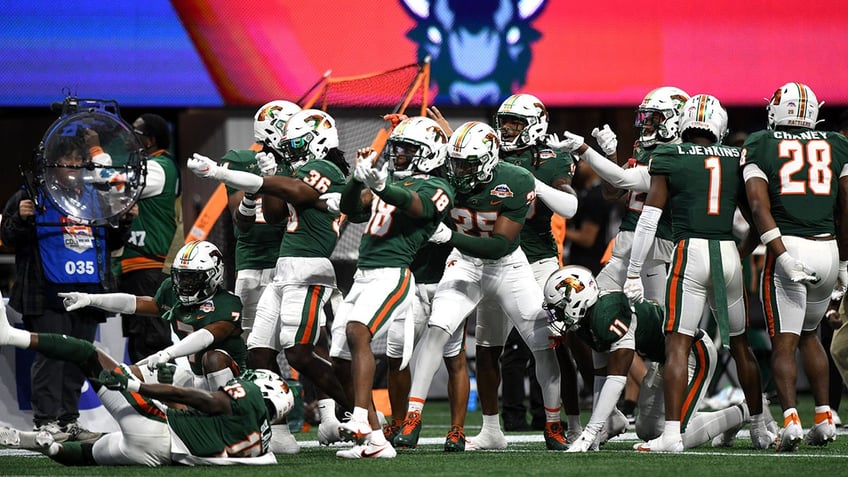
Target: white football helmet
x: 279, y: 398
x: 269, y: 120
x: 416, y: 143
x: 308, y: 134
x: 794, y: 105
x: 703, y: 111
x: 197, y: 272
x: 657, y: 116
x: 472, y: 154
x: 528, y: 109
x: 569, y: 292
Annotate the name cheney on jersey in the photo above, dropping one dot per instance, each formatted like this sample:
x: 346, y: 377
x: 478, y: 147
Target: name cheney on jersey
x: 723, y: 151
x: 799, y: 135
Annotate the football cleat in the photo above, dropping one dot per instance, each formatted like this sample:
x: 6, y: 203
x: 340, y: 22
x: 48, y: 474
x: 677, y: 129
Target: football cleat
x: 584, y: 443
x: 791, y: 434
x: 486, y: 440
x: 455, y: 441
x: 616, y: 423
x: 390, y: 431
x: 328, y: 432
x: 660, y: 445
x: 284, y: 444
x: 409, y: 430
x: 823, y: 431
x: 356, y: 431
x: 555, y: 437
x: 32, y: 440
x: 368, y: 451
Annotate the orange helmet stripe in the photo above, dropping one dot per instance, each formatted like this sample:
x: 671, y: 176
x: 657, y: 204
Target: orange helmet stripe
x: 802, y: 103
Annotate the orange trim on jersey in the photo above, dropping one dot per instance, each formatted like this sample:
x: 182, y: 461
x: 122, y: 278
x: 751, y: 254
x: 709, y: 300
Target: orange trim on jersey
x: 697, y: 380
x: 314, y: 302
x: 383, y: 314
x: 675, y: 282
x: 768, y: 291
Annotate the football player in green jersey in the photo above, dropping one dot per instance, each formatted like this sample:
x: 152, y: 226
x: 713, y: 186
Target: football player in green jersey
x: 230, y: 424
x: 304, y: 277
x: 699, y: 180
x: 797, y: 184
x: 416, y: 147
x: 522, y: 125
x: 487, y: 263
x: 201, y: 312
x: 608, y: 323
x: 258, y: 242
x: 403, y: 216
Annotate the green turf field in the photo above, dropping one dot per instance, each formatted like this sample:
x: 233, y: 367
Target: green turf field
x: 524, y: 458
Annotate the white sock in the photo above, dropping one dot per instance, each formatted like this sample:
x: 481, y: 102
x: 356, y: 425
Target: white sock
x: 706, y: 425
x: 415, y: 405
x: 789, y: 412
x: 552, y: 415
x: 822, y: 409
x: 280, y: 430
x: 492, y: 422
x: 429, y: 360
x: 327, y: 410
x: 359, y: 414
x: 574, y: 423
x: 671, y: 431
x: 377, y: 438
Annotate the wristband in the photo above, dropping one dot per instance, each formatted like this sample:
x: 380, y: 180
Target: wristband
x: 769, y: 235
x: 133, y: 385
x: 247, y: 207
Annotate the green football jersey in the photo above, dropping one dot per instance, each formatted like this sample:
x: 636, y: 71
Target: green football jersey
x: 245, y: 433
x: 391, y: 237
x: 610, y: 318
x: 257, y: 248
x: 802, y: 167
x: 636, y: 200
x: 312, y: 232
x: 509, y: 193
x: 703, y: 188
x: 186, y: 319
x: 537, y: 241
x: 152, y: 231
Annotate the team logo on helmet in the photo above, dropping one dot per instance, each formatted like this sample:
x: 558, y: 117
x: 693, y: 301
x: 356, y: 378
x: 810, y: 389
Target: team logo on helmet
x: 570, y: 283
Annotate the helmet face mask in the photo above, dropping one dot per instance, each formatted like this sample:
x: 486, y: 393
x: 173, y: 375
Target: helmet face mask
x: 569, y: 294
x: 472, y: 155
x: 793, y: 105
x: 197, y: 272
x: 704, y: 112
x: 308, y: 135
x: 656, y: 117
x: 415, y: 145
x: 521, y: 121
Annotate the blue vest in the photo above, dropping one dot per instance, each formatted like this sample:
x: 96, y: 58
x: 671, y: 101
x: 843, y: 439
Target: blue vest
x: 70, y: 253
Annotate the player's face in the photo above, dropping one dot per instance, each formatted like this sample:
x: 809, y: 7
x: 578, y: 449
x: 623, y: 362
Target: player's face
x: 402, y: 155
x: 648, y: 120
x: 511, y: 127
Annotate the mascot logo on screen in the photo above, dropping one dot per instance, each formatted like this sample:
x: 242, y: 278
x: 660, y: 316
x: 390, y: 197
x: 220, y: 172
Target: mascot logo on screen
x: 480, y: 50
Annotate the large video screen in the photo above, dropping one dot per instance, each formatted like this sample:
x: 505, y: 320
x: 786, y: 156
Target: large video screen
x: 607, y: 52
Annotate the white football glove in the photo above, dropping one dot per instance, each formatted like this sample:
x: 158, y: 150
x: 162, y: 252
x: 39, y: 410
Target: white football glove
x: 375, y: 179
x: 442, y: 234
x: 584, y: 443
x: 796, y: 270
x: 202, y: 166
x: 333, y: 200
x: 75, y: 300
x: 267, y: 163
x: 569, y: 142
x: 841, y: 281
x: 633, y: 289
x: 360, y: 170
x: 606, y: 139
x: 156, y: 359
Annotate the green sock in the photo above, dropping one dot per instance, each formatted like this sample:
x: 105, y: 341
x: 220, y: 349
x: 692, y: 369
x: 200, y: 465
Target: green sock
x: 65, y: 348
x: 75, y: 453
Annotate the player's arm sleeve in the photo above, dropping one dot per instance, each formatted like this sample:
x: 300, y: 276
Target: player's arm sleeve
x: 643, y: 238
x: 155, y: 182
x: 483, y: 247
x: 560, y: 202
x: 351, y: 201
x: 633, y: 179
x: 401, y: 197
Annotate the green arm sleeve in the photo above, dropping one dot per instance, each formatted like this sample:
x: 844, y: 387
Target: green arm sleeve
x: 397, y: 196
x: 489, y: 248
x: 350, y: 202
